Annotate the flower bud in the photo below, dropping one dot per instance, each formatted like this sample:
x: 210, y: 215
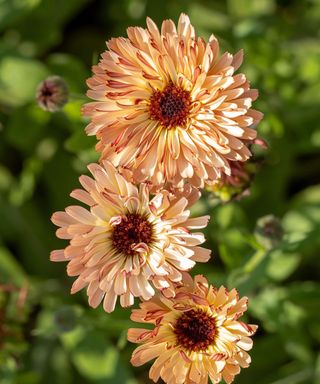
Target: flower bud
x: 237, y: 185
x: 269, y: 231
x: 65, y: 318
x: 52, y: 94
x: 234, y: 186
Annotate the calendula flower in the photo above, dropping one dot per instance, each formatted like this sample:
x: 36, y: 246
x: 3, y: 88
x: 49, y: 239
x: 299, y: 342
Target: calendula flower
x: 168, y: 107
x: 197, y: 335
x: 52, y: 94
x: 127, y: 244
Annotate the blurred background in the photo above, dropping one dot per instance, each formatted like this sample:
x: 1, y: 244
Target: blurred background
x: 47, y: 335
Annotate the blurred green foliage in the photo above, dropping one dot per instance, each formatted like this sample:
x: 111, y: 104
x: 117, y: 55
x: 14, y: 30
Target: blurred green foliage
x: 48, y: 336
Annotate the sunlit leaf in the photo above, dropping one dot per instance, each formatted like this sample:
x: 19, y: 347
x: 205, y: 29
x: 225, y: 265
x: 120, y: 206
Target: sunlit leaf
x: 11, y: 271
x: 19, y: 78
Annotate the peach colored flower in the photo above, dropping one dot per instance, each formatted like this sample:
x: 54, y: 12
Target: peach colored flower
x: 168, y: 107
x: 196, y: 335
x: 126, y: 244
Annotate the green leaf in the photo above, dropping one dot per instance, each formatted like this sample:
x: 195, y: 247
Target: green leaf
x: 12, y: 10
x: 206, y: 17
x: 71, y: 70
x: 247, y: 8
x: 80, y: 141
x: 44, y: 25
x: 19, y: 78
x: 229, y: 215
x: 94, y: 360
x: 282, y: 265
x: 252, y: 274
x: 26, y: 126
x: 10, y: 270
x: 304, y: 215
x: 6, y: 178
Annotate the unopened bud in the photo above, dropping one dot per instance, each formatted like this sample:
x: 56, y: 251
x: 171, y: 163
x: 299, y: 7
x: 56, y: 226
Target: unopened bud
x: 234, y: 186
x: 269, y: 231
x: 65, y: 318
x: 52, y: 94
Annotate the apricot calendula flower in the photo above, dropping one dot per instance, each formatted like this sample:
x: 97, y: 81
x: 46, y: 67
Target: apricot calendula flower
x: 197, y: 335
x: 168, y: 107
x: 126, y: 244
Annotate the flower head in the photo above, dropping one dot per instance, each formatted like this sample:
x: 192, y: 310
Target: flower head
x: 168, y: 107
x: 52, y: 93
x: 127, y: 244
x: 196, y: 335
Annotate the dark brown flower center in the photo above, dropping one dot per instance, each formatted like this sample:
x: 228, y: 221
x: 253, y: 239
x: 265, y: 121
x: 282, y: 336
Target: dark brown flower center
x: 132, y: 230
x: 195, y: 330
x: 171, y: 106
